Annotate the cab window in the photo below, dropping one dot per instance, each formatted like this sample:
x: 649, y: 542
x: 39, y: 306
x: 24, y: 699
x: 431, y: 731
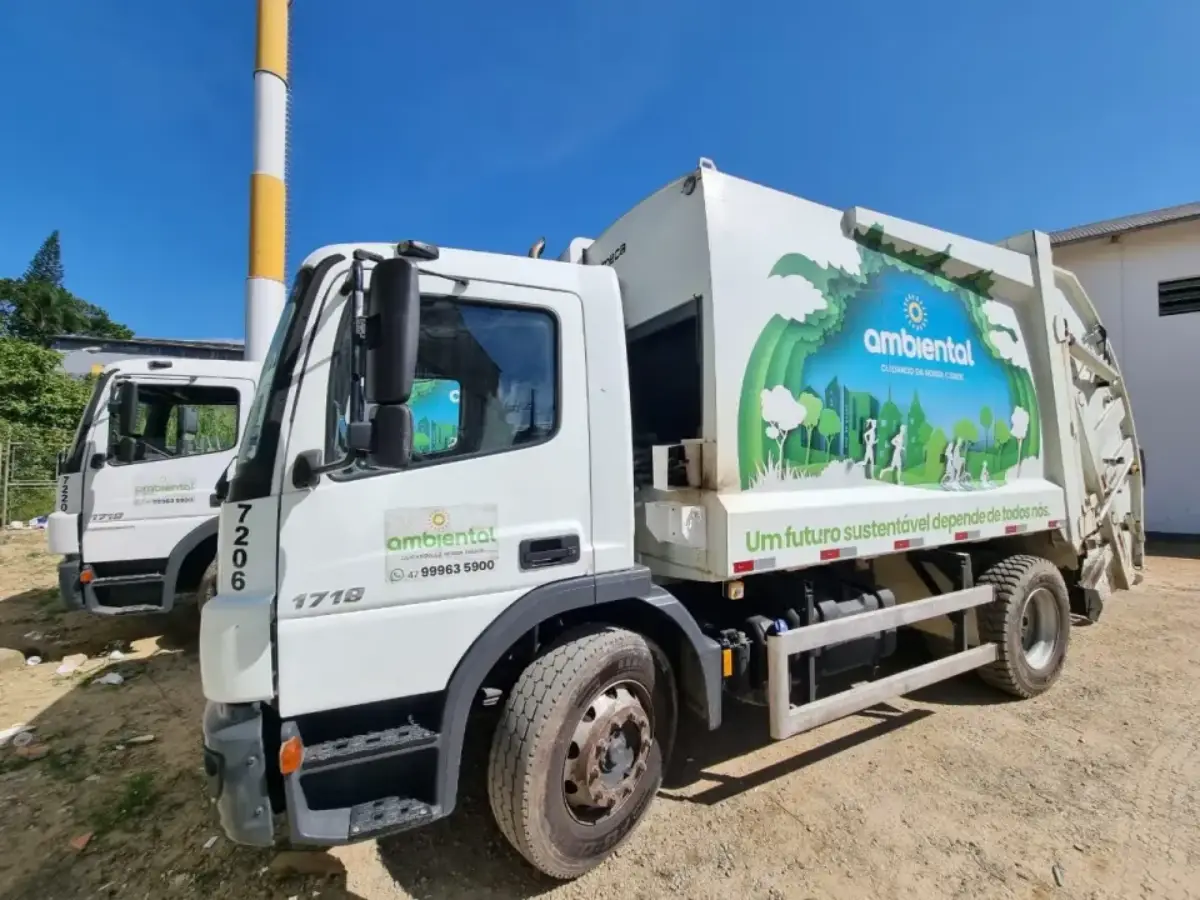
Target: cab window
x: 487, y: 381
x: 174, y: 421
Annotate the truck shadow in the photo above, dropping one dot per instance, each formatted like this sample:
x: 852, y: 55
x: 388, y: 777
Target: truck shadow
x: 464, y: 856
x: 35, y: 622
x: 745, y: 730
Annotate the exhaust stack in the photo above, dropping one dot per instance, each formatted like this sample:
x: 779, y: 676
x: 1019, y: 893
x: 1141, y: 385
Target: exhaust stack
x: 265, y: 286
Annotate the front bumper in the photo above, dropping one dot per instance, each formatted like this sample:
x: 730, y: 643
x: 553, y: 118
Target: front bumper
x: 69, y: 588
x: 236, y: 768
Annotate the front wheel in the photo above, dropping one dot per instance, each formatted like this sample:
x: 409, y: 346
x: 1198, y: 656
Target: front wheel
x: 208, y: 585
x: 580, y: 748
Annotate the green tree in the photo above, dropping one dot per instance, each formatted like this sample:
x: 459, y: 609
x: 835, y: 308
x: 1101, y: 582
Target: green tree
x: 828, y: 425
x: 40, y: 406
x: 812, y: 415
x: 35, y: 391
x: 985, y: 419
x: 36, y: 307
x: 46, y: 265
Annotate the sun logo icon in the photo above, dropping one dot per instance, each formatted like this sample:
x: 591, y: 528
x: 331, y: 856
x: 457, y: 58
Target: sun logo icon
x: 914, y: 311
x: 438, y: 520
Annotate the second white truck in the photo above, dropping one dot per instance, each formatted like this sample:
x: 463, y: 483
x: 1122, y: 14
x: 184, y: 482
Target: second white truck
x: 133, y: 519
x: 720, y: 454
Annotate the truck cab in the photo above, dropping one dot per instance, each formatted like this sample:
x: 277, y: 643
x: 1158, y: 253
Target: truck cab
x: 134, y: 522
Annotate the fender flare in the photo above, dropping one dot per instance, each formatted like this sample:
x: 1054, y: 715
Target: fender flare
x: 544, y: 603
x: 189, y: 542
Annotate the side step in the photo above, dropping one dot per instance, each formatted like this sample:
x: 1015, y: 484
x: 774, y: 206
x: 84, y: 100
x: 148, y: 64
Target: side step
x: 126, y: 580
x: 377, y: 752
x: 788, y: 720
x: 94, y: 605
x: 367, y: 747
x: 387, y: 816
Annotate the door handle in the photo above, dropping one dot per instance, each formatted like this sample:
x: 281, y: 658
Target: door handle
x: 560, y: 550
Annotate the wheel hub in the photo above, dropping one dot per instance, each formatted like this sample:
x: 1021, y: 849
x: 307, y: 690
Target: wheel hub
x: 607, y: 754
x: 1039, y: 628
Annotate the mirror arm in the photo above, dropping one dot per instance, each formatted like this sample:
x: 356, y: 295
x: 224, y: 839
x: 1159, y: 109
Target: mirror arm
x: 358, y: 342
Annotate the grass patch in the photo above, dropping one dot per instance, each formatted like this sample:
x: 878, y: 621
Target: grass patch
x: 67, y: 764
x: 137, y: 797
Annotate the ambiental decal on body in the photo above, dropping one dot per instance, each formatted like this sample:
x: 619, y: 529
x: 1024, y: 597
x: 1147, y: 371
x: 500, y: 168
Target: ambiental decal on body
x: 904, y: 376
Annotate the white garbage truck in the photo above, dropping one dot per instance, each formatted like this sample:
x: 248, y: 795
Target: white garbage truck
x: 134, y: 521
x: 722, y: 453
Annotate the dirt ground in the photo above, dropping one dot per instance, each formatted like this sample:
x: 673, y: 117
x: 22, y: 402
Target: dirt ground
x: 1090, y: 791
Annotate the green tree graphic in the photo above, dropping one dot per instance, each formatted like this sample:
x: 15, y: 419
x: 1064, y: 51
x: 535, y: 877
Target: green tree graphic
x: 828, y: 425
x: 890, y: 420
x: 1003, y: 436
x: 812, y: 416
x: 934, y: 447
x: 916, y: 425
x: 985, y: 419
x: 964, y: 429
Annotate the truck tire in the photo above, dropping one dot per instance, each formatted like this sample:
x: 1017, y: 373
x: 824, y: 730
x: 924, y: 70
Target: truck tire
x: 208, y: 585
x: 1030, y: 623
x: 580, y: 748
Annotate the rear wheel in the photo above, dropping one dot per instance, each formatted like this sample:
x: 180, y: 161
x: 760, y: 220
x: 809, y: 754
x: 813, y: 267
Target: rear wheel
x: 580, y: 748
x: 1029, y: 621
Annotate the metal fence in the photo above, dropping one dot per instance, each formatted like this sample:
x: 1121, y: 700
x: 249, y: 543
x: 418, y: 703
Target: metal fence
x: 28, y: 477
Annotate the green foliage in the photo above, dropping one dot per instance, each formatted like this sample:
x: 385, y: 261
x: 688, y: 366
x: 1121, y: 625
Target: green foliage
x: 37, y: 307
x: 39, y: 409
x: 36, y: 311
x: 35, y: 391
x: 979, y: 282
x: 46, y: 265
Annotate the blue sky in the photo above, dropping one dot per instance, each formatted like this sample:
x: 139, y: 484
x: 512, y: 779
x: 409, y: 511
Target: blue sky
x: 127, y: 125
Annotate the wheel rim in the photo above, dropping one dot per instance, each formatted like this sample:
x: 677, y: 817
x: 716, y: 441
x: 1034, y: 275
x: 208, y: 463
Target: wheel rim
x: 608, y: 753
x: 1040, y: 627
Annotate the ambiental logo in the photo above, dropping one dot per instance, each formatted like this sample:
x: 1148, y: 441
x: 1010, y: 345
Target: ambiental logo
x: 914, y: 311
x: 912, y: 346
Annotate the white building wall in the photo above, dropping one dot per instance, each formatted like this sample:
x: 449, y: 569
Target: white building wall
x: 1159, y: 356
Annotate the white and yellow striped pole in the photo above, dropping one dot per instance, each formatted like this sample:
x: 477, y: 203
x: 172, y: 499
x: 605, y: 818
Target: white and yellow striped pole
x: 265, y: 290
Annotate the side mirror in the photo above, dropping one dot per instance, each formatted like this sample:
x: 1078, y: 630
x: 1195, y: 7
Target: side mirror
x: 127, y: 450
x: 391, y: 437
x: 393, y: 312
x: 189, y: 421
x: 125, y: 399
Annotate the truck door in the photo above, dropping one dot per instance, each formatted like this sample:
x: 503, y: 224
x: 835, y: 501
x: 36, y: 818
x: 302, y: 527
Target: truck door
x: 386, y: 578
x: 159, y: 470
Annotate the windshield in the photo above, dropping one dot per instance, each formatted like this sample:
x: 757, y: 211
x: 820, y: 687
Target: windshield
x: 258, y: 408
x: 74, y: 460
x: 256, y: 456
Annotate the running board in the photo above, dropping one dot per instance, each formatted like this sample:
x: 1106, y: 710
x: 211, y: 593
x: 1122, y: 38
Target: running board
x: 788, y: 720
